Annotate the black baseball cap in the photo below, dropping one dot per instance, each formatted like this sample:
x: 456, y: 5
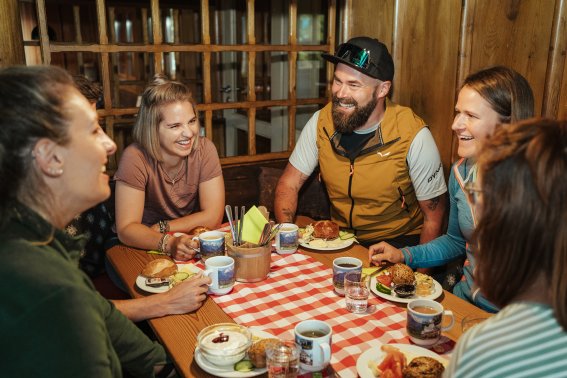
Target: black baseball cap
x: 367, y: 55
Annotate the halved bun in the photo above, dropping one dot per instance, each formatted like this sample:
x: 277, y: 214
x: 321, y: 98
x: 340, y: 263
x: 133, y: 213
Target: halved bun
x: 159, y: 268
x: 325, y: 229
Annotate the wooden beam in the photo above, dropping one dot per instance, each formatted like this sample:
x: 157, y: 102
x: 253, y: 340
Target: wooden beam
x: 11, y: 49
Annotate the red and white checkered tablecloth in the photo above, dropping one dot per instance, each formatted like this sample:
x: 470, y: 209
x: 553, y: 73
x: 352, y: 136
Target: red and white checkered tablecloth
x: 300, y: 288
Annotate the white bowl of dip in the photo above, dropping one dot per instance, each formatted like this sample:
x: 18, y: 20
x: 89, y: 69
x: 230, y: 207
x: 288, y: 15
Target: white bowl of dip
x: 224, y: 344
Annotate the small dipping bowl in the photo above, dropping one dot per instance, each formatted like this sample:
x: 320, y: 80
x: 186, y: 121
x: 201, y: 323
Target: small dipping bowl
x: 224, y: 344
x: 404, y: 290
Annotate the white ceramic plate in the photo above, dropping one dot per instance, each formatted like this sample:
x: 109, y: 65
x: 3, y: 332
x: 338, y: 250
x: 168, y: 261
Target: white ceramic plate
x: 437, y: 291
x: 344, y: 244
x: 229, y: 372
x: 141, y: 281
x: 375, y: 355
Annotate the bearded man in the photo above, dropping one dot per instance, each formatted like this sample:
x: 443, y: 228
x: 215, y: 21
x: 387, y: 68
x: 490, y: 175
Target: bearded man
x: 378, y: 160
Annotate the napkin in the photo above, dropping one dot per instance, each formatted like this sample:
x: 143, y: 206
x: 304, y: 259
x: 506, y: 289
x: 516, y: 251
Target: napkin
x: 254, y: 222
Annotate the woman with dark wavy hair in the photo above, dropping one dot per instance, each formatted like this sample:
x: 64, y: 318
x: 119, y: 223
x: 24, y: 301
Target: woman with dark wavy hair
x: 521, y: 200
x: 53, y: 156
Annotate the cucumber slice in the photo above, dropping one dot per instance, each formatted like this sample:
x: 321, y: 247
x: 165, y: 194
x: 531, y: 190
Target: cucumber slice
x: 383, y: 289
x: 244, y: 366
x: 180, y: 276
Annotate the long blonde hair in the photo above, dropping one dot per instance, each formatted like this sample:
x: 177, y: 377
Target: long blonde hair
x: 159, y: 92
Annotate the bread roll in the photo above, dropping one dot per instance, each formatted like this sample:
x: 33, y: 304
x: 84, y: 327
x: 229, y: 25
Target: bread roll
x: 257, y: 352
x: 159, y: 268
x: 199, y: 230
x: 325, y: 229
x: 423, y: 367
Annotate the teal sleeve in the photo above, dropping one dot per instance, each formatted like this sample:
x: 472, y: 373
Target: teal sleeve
x: 445, y: 248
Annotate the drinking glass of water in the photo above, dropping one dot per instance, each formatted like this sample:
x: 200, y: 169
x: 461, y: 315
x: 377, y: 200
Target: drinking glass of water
x: 356, y: 292
x: 282, y: 359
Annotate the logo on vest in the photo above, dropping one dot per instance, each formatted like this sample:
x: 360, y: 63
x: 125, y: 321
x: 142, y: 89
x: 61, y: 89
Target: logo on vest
x: 382, y: 155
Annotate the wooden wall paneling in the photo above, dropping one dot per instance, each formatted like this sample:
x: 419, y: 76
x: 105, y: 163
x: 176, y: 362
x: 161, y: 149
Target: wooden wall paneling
x: 556, y: 80
x: 426, y: 44
x: 515, y: 34
x: 374, y: 18
x: 562, y: 111
x: 331, y: 37
x: 11, y: 49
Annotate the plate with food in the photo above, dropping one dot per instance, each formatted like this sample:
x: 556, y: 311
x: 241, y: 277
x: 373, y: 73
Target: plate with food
x: 400, y: 360
x: 325, y: 235
x: 160, y: 275
x: 253, y: 364
x: 399, y: 283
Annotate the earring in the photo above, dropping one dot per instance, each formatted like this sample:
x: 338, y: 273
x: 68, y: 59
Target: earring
x: 55, y: 171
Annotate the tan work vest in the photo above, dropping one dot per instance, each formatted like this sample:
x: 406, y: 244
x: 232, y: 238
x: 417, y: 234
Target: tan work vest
x: 373, y: 195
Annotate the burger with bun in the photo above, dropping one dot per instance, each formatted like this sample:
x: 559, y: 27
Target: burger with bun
x: 401, y: 274
x: 325, y: 229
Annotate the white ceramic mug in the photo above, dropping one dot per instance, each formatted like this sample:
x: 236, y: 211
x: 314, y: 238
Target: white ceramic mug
x: 211, y: 243
x: 341, y: 266
x: 221, y: 271
x: 314, y: 339
x: 424, y: 321
x: 287, y: 239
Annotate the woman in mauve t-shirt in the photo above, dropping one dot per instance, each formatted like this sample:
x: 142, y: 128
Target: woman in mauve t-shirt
x: 170, y: 179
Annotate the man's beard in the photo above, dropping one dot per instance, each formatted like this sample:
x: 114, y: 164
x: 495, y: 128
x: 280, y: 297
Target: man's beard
x: 346, y: 124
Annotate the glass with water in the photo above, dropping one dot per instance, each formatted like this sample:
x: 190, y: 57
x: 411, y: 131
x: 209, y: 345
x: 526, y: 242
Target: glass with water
x: 282, y: 359
x: 356, y: 292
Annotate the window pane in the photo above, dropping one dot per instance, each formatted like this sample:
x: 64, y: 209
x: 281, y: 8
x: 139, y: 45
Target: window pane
x: 74, y: 24
x: 302, y: 114
x: 275, y: 20
x: 187, y: 68
x: 129, y: 24
x: 276, y: 129
x: 129, y: 75
x: 182, y: 24
x: 228, y: 22
x: 312, y: 22
x: 78, y: 63
x: 276, y: 74
x: 229, y: 76
x: 311, y: 79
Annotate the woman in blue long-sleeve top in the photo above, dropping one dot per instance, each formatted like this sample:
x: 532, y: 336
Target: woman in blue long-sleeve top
x: 487, y: 99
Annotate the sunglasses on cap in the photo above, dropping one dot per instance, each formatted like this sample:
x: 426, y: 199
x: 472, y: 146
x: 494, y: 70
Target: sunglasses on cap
x: 355, y: 55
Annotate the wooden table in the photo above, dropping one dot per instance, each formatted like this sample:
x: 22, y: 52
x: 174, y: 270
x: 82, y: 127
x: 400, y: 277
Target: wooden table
x: 178, y: 333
